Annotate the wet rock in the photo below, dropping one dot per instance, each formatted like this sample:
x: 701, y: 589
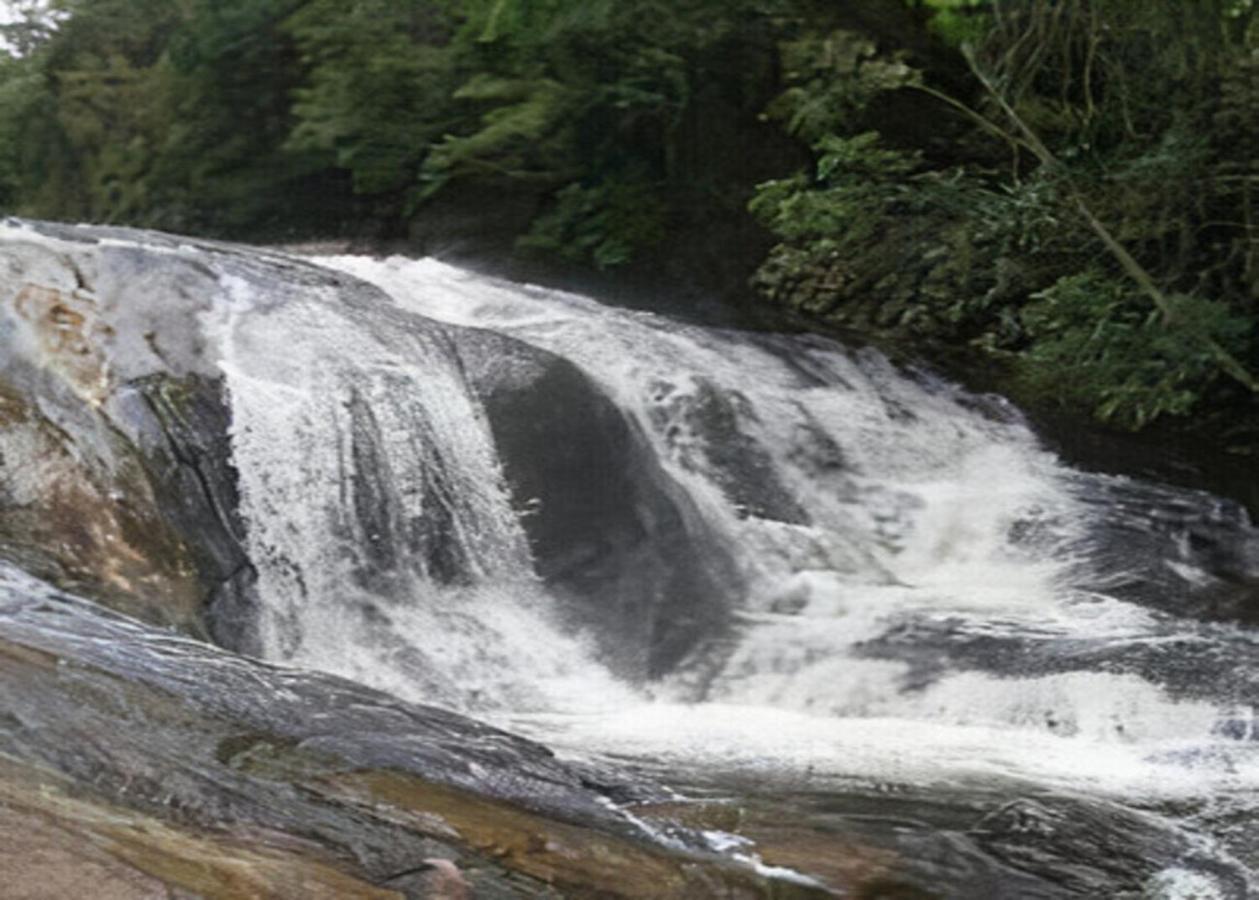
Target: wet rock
x: 1177, y: 550
x: 94, y: 527
x: 181, y: 428
x: 714, y: 419
x: 608, y: 529
x: 1094, y: 849
x: 109, y: 335
x: 115, y: 476
x: 109, y: 366
x: 234, y: 777
x: 60, y: 841
x: 1207, y: 662
x: 947, y: 843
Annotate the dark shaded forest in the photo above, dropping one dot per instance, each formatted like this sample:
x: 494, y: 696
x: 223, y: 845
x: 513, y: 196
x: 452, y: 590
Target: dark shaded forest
x: 1067, y: 190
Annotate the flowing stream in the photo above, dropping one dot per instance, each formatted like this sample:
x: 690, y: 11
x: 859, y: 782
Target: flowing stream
x: 865, y: 625
x: 876, y: 580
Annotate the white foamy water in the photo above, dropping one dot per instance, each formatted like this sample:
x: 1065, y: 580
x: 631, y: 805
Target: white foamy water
x: 919, y: 505
x: 363, y: 456
x: 388, y: 549
x: 789, y: 750
x: 902, y: 486
x: 865, y: 507
x: 919, y: 601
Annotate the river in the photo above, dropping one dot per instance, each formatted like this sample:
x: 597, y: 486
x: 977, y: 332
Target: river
x: 864, y: 609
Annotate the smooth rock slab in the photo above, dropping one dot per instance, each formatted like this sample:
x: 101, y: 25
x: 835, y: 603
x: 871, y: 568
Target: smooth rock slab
x: 257, y: 769
x: 112, y: 349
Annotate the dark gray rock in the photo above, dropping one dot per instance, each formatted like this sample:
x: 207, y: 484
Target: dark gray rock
x: 1181, y: 551
x: 1094, y: 849
x: 198, y: 737
x: 609, y: 530
x: 181, y: 427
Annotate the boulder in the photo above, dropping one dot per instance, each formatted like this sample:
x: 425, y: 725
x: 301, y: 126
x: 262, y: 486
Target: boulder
x: 611, y: 534
x: 156, y: 760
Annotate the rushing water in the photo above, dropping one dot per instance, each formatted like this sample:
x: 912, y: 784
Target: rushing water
x: 859, y: 599
x: 913, y: 591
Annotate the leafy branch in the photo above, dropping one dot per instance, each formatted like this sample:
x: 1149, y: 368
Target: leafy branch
x: 1131, y: 267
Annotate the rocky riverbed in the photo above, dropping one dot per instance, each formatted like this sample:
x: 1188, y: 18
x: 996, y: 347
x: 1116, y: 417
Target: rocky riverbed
x: 347, y: 577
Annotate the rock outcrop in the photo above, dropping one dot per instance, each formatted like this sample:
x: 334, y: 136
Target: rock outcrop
x: 154, y: 761
x: 610, y: 534
x: 118, y: 477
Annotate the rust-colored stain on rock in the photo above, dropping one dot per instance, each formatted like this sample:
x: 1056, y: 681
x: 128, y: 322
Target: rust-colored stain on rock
x: 69, y: 335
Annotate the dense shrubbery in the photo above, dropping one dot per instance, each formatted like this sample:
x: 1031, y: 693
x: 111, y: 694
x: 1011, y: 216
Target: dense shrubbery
x: 1062, y: 184
x: 240, y: 116
x: 1094, y: 226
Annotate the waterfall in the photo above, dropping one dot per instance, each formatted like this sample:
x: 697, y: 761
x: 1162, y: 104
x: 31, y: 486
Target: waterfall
x: 750, y: 565
x: 723, y: 558
x: 914, y: 585
x: 385, y: 543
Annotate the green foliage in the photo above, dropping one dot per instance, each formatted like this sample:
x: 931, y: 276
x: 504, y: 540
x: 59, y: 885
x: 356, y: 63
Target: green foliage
x: 591, y: 104
x: 918, y: 201
x: 1096, y: 343
x: 164, y: 113
x: 605, y: 223
x: 960, y: 22
x: 831, y: 80
x: 221, y: 165
x: 377, y: 92
x: 856, y: 181
x: 22, y: 94
x: 229, y: 116
x: 1144, y: 114
x: 522, y: 136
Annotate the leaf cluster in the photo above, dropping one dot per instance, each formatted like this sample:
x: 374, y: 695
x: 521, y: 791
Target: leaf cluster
x: 1126, y: 194
x: 1095, y: 343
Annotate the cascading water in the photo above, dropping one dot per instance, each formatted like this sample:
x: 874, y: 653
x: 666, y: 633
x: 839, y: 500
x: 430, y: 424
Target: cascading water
x: 386, y: 546
x: 903, y: 585
x: 870, y: 610
x: 862, y: 503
